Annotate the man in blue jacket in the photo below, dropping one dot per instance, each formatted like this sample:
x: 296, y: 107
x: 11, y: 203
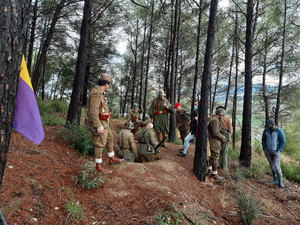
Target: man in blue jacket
x: 273, y: 142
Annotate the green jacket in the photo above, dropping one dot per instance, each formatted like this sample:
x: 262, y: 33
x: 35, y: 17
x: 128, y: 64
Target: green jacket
x: 147, y: 141
x: 159, y: 112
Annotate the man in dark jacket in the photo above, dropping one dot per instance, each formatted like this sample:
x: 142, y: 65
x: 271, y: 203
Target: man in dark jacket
x: 273, y: 142
x: 193, y: 128
x: 182, y: 121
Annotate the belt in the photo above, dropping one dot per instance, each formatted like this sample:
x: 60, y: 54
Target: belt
x: 161, y: 112
x: 104, y: 116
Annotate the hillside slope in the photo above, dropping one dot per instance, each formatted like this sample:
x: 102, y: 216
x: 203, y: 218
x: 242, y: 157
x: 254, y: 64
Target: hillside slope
x: 38, y: 185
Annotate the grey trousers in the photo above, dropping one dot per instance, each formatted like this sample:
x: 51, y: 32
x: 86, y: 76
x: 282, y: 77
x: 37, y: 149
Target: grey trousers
x: 274, y: 162
x: 223, y: 158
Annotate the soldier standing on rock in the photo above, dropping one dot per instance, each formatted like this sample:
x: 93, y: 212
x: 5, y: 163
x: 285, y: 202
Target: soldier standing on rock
x: 128, y: 149
x: 98, y: 121
x: 159, y: 112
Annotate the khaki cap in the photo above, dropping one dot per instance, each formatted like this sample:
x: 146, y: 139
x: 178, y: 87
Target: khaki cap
x: 106, y: 77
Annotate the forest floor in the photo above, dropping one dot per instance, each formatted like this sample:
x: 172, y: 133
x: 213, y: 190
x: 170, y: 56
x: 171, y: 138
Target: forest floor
x: 38, y: 185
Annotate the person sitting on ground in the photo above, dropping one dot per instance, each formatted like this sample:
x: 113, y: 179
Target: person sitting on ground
x: 273, y: 142
x: 182, y: 121
x: 128, y: 149
x: 146, y: 152
x: 134, y: 116
x: 192, y: 134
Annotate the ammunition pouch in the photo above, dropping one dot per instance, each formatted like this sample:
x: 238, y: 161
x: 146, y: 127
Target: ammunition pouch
x: 104, y: 116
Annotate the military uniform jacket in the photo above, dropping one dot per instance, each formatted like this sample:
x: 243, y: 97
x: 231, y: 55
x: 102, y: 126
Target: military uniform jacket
x: 134, y: 116
x: 97, y: 105
x: 146, y: 139
x: 126, y: 141
x: 215, y: 137
x: 182, y: 119
x: 159, y: 112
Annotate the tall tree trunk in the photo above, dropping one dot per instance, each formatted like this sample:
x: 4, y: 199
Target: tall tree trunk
x: 215, y: 90
x: 177, y: 48
x: 264, y: 87
x: 197, y: 56
x: 142, y: 64
x: 180, y: 78
x: 148, y: 59
x: 277, y: 110
x: 42, y: 58
x: 135, y: 62
x: 74, y: 112
x: 13, y: 20
x: 172, y: 130
x: 245, y: 154
x: 32, y: 36
x: 199, y: 167
x: 230, y: 74
x: 234, y: 105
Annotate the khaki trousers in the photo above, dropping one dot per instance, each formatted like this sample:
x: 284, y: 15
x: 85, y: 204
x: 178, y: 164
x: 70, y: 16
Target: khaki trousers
x: 102, y: 141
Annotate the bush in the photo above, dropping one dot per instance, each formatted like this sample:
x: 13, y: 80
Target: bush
x: 170, y: 216
x: 248, y: 208
x: 51, y: 120
x: 291, y: 171
x: 76, y: 211
x: 89, y: 177
x: 233, y: 154
x: 79, y: 138
x: 59, y: 106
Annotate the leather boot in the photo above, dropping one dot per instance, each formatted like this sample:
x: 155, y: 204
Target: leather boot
x: 101, y: 169
x: 113, y: 159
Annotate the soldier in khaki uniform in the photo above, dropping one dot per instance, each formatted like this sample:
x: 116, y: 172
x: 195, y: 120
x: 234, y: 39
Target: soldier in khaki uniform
x: 147, y: 144
x: 98, y: 118
x: 134, y: 116
x: 226, y: 130
x: 159, y: 112
x: 128, y: 149
x: 215, y: 138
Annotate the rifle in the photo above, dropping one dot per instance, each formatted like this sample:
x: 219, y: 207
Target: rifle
x: 158, y: 145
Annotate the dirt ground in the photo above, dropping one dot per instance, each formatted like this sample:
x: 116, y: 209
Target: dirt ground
x: 38, y: 185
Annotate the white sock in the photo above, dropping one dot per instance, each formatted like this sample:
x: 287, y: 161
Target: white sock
x: 99, y: 160
x: 111, y: 154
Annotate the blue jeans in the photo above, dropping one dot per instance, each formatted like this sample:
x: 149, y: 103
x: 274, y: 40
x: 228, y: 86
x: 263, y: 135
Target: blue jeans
x: 187, y: 140
x: 274, y: 162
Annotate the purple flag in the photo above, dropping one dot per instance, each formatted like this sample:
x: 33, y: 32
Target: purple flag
x: 27, y: 119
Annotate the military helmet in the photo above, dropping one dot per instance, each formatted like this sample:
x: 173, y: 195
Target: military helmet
x: 161, y: 93
x: 135, y: 105
x: 129, y: 125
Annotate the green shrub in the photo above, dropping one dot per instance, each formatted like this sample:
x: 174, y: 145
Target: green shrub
x: 291, y: 171
x: 59, y: 106
x: 51, y: 120
x: 89, y: 177
x: 248, y: 208
x: 169, y: 216
x: 79, y: 138
x: 233, y: 154
x: 76, y: 211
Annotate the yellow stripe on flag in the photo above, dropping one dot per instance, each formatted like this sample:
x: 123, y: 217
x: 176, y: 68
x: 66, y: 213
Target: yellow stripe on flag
x: 24, y: 74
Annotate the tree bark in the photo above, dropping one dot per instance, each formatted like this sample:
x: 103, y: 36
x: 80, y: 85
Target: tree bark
x: 199, y: 167
x: 148, y: 59
x: 74, y: 112
x: 13, y: 24
x: 142, y: 64
x: 172, y: 129
x: 229, y: 78
x: 234, y: 105
x: 277, y: 109
x: 197, y: 56
x: 245, y: 154
x: 32, y: 36
x: 215, y: 90
x: 264, y: 87
x: 45, y: 46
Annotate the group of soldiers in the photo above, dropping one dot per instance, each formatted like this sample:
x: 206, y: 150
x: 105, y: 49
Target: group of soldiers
x: 137, y: 142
